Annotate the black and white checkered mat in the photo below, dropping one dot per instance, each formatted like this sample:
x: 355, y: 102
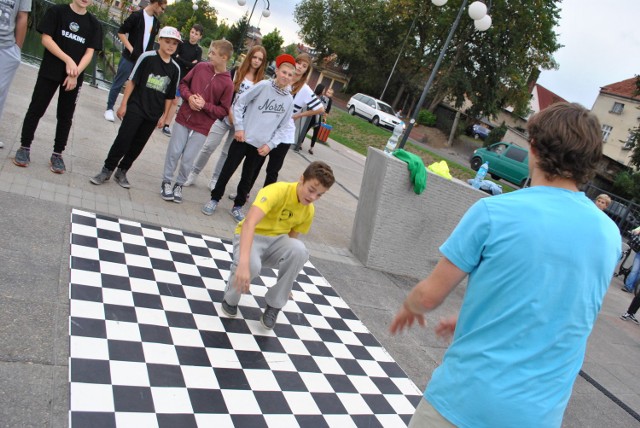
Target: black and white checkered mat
x: 150, y: 347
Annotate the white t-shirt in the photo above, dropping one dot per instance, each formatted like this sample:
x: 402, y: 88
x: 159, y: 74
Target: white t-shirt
x: 148, y: 26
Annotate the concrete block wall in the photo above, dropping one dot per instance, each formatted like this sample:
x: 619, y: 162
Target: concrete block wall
x: 397, y: 231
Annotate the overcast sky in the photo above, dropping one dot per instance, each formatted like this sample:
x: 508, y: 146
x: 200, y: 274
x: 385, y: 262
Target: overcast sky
x: 600, y: 37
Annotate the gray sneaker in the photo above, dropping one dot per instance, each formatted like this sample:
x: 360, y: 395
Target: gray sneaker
x: 57, y: 164
x: 104, y: 175
x: 23, y: 157
x: 209, y: 207
x: 236, y: 213
x: 229, y: 310
x: 177, y: 194
x: 269, y: 317
x: 120, y: 177
x: 165, y: 191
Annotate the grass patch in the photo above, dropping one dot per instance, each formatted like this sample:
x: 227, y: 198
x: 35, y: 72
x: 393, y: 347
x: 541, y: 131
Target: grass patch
x: 358, y: 134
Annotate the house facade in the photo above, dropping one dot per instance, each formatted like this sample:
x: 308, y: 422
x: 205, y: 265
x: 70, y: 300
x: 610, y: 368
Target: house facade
x: 618, y: 109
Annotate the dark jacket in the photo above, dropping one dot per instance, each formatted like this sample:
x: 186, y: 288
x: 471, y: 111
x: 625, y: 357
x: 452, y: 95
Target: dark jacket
x: 185, y: 54
x: 134, y: 27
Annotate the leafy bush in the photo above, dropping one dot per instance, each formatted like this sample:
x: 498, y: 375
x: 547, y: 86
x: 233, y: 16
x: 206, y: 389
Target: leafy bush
x: 425, y: 117
x: 495, y: 135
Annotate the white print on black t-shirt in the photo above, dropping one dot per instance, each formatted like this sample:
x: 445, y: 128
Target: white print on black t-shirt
x: 72, y: 36
x: 271, y: 106
x: 158, y: 83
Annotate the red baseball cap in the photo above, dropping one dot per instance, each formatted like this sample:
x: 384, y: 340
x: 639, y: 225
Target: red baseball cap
x: 285, y: 58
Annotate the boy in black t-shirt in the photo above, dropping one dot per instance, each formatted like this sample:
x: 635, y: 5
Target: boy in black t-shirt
x: 147, y: 98
x: 70, y: 35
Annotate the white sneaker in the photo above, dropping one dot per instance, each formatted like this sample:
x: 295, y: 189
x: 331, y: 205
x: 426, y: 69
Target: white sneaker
x: 1, y: 145
x: 190, y: 179
x: 108, y: 115
x: 212, y: 184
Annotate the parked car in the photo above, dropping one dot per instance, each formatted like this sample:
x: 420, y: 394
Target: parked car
x: 623, y: 216
x: 376, y: 111
x: 478, y: 131
x: 506, y: 160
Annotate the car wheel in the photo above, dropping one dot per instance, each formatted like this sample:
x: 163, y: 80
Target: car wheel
x: 352, y: 110
x: 476, y: 162
x: 476, y: 136
x: 495, y: 177
x: 375, y: 120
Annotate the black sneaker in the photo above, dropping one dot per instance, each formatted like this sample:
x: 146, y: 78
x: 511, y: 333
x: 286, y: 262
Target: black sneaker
x: 57, y: 164
x: 228, y: 309
x: 629, y: 317
x: 269, y: 317
x: 23, y: 157
x: 166, y: 130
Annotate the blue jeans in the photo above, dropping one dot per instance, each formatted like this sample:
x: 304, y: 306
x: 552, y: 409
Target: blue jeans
x: 122, y: 75
x: 629, y: 284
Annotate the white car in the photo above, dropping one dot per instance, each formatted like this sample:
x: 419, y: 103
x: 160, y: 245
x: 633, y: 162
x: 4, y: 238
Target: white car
x: 376, y: 111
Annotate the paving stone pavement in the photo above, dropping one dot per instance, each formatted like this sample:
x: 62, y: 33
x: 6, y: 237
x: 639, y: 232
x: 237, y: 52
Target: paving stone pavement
x: 35, y: 207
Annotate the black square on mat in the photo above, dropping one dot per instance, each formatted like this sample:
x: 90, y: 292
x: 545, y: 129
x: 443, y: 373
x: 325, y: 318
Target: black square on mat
x: 359, y: 352
x: 179, y: 319
x: 133, y: 399
x: 86, y: 293
x: 93, y: 419
x: 337, y: 324
x: 285, y: 331
x: 143, y: 300
x: 231, y: 378
x: 192, y: 356
x: 235, y: 325
x: 392, y: 369
x: 165, y: 375
x: 329, y: 403
x: 182, y: 258
x: 115, y: 282
x: 328, y: 335
x: 141, y: 273
x: 90, y: 371
x: 181, y: 420
x: 137, y: 250
x: 175, y: 237
x: 328, y: 291
x: 215, y: 339
x: 317, y: 349
x: 155, y: 334
x: 367, y: 339
x: 378, y: 404
x: 341, y: 383
x: 207, y: 272
x: 131, y: 230
x: 79, y: 263
x: 308, y: 308
x: 120, y: 313
x: 160, y: 264
x: 351, y: 367
x: 272, y: 402
x: 199, y: 252
x: 386, y: 385
x: 367, y: 421
x: 311, y: 271
x: 111, y: 256
x: 346, y: 314
x: 252, y: 360
x: 223, y: 264
x: 207, y: 401
x: 191, y: 280
x: 319, y: 299
x: 202, y: 308
x: 84, y: 241
x: 296, y: 318
x: 253, y: 421
x: 83, y: 219
x: 269, y: 344
x: 88, y: 327
x: 109, y: 235
x: 156, y: 243
x: 173, y: 290
x: 305, y: 363
x: 290, y: 381
x: 121, y: 350
x: 215, y: 245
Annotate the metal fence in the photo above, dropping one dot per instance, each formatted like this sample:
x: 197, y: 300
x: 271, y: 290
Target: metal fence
x: 623, y: 212
x: 103, y: 66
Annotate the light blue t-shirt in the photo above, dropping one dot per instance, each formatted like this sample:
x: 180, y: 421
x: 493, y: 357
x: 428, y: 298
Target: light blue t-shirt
x: 539, y: 261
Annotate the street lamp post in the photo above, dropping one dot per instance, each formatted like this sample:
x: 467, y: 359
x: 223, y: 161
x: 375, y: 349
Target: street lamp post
x: 195, y: 8
x: 477, y: 12
x: 265, y: 12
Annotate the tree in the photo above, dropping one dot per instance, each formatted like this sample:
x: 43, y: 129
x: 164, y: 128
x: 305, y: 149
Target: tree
x: 635, y: 135
x: 272, y: 42
x: 182, y: 16
x: 237, y: 32
x: 291, y: 49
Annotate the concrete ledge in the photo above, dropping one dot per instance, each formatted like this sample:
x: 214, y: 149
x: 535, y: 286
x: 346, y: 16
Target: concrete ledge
x: 397, y: 231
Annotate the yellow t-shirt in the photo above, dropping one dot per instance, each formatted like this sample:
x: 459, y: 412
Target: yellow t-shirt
x: 283, y: 212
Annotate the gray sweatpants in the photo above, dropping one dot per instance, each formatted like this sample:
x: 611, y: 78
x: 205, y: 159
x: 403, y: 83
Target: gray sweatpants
x: 9, y: 62
x: 186, y: 144
x: 215, y: 137
x: 286, y: 254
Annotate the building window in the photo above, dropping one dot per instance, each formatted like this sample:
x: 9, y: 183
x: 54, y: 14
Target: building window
x: 617, y: 108
x: 631, y: 139
x: 606, y: 131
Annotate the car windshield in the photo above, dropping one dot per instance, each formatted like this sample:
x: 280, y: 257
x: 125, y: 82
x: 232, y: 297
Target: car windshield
x: 385, y: 108
x: 498, y: 148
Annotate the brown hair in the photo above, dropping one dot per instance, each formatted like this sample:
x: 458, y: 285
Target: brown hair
x: 224, y: 47
x: 160, y: 2
x: 246, y: 64
x: 320, y: 171
x: 568, y: 141
x: 303, y: 57
x: 199, y: 28
x: 606, y: 198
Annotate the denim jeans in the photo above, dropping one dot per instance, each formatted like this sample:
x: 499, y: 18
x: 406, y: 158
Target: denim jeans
x: 122, y: 75
x: 629, y: 284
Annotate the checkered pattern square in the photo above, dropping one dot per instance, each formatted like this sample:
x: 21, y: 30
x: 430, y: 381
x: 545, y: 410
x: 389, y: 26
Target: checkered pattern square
x: 150, y: 346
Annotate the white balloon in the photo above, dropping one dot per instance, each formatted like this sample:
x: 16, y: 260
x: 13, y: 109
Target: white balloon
x: 439, y: 2
x: 242, y: 2
x: 195, y: 7
x: 483, y: 24
x: 266, y: 13
x: 477, y: 10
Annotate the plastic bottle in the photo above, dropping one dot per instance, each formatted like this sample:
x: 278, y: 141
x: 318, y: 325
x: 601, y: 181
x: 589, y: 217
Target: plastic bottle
x: 393, y: 140
x: 482, y: 172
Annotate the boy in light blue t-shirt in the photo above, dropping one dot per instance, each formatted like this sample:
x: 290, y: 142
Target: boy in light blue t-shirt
x: 539, y: 262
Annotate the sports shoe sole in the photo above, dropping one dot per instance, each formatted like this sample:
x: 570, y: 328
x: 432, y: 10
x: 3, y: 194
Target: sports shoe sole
x: 229, y: 314
x: 20, y: 164
x: 264, y: 325
x: 56, y: 171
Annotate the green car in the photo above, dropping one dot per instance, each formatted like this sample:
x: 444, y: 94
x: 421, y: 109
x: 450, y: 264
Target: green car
x: 506, y: 160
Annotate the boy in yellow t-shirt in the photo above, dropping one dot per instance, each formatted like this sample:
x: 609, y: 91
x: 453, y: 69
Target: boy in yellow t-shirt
x: 267, y: 237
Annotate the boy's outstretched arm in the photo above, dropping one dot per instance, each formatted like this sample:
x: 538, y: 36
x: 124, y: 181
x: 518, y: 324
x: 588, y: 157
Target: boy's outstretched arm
x: 51, y: 46
x: 428, y: 294
x: 243, y: 271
